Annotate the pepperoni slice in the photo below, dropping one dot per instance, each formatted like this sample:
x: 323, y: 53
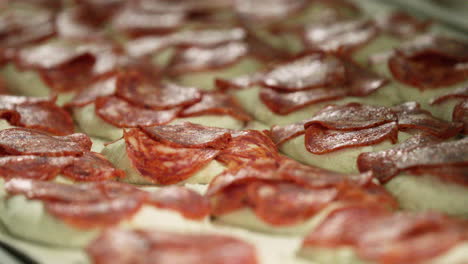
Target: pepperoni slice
x: 286, y: 103
x: 461, y: 92
x: 135, y: 22
x: 190, y: 135
x: 421, y: 150
x: 102, y: 87
x: 352, y: 116
x: 240, y: 82
x: 186, y: 38
x: 312, y: 70
x: 460, y: 114
x: 411, y: 116
x: 91, y: 166
x: 164, y: 164
x: 343, y: 36
x: 402, y: 25
x: 65, y: 66
x: 23, y: 141
x: 407, y: 239
x: 216, y: 104
x: 25, y: 25
x: 72, y: 24
x: 248, y: 145
x: 191, y: 204
x: 319, y: 140
x: 124, y: 247
x: 287, y: 204
x: 430, y: 62
x: 196, y: 59
x: 33, y: 167
x: 134, y: 88
x: 120, y: 113
x: 281, y: 134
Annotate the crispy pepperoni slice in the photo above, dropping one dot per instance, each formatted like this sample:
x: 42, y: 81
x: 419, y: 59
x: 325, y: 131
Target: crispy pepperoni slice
x: 120, y: 113
x: 134, y: 88
x: 312, y: 70
x: 352, y: 116
x: 125, y: 247
x: 430, y: 62
x: 216, y: 104
x: 191, y: 204
x: 23, y: 141
x: 164, y: 164
x: 190, y: 135
x: 196, y: 59
x: 248, y: 145
x: 319, y: 140
x: 187, y: 38
x: 406, y: 240
x: 402, y: 25
x: 460, y: 114
x: 411, y: 116
x: 421, y: 150
x: 343, y: 36
x: 286, y: 103
x: 461, y: 92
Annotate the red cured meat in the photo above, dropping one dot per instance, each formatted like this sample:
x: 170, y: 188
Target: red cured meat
x: 27, y: 25
x: 134, y: 88
x: 106, y: 203
x: 286, y: 103
x: 406, y: 240
x: 164, y: 164
x: 190, y: 135
x: 286, y: 204
x: 285, y: 192
x: 281, y: 134
x: 23, y: 141
x: 216, y: 104
x: 430, y: 63
x: 190, y: 38
x: 460, y: 114
x: 402, y: 25
x: 34, y: 167
x: 306, y: 72
x: 135, y: 22
x: 198, y: 59
x: 319, y: 140
x: 191, y: 204
x: 72, y: 24
x: 461, y: 92
x: 340, y: 36
x: 421, y: 150
x: 136, y: 247
x: 248, y: 145
x: 91, y: 166
x: 411, y: 116
x: 120, y: 113
x: 99, y: 88
x: 352, y: 116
